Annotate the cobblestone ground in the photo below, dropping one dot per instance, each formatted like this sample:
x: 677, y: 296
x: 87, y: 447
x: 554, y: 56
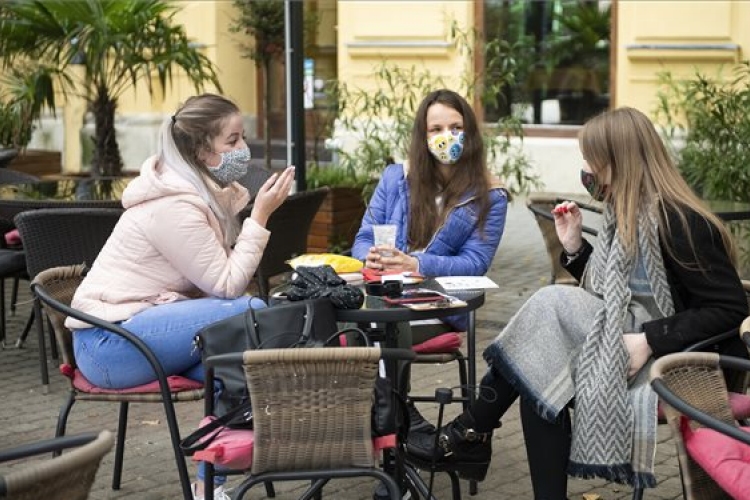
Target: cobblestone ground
x: 520, y: 268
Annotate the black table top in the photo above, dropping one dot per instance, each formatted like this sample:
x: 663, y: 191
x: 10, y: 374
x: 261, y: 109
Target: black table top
x: 376, y: 310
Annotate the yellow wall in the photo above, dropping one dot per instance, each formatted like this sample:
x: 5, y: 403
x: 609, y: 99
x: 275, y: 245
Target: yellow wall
x: 207, y: 23
x: 405, y: 32
x: 678, y: 36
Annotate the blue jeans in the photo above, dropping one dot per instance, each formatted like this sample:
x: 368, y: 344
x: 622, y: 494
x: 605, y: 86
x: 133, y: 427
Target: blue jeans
x: 110, y: 361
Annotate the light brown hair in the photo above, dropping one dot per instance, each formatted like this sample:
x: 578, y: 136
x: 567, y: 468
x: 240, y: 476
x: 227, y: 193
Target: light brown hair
x: 627, y: 142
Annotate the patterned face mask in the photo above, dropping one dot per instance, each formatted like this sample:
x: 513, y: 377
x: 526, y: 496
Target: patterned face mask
x: 233, y: 166
x: 447, y: 147
x: 596, y: 190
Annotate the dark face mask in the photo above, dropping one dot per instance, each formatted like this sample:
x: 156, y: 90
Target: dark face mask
x: 596, y: 190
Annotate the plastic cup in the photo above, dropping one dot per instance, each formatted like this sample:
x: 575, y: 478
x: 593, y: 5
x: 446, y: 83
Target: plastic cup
x: 384, y: 234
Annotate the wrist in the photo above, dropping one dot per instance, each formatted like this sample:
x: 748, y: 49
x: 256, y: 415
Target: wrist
x: 573, y: 254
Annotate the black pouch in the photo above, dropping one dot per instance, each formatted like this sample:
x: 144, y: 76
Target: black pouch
x: 313, y: 282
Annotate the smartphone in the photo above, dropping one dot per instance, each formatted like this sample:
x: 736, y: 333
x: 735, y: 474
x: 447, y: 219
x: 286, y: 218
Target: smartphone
x: 415, y: 296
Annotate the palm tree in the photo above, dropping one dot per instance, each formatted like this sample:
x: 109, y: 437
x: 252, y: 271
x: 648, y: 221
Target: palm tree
x: 264, y: 21
x: 118, y: 43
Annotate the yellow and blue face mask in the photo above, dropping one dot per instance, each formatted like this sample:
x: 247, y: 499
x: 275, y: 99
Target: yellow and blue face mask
x: 447, y: 146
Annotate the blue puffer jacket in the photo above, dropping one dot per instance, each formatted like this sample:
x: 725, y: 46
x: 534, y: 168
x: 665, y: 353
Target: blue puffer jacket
x: 458, y: 248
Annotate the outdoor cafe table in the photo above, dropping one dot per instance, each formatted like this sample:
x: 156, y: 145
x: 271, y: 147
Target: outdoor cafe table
x: 376, y: 310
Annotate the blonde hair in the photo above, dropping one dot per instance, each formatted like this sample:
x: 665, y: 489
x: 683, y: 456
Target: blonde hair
x: 187, y: 133
x: 625, y: 140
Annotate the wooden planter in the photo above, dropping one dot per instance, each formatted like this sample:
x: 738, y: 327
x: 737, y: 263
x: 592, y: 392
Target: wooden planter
x: 337, y: 221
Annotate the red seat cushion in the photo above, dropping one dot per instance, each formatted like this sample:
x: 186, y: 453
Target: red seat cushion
x: 725, y: 459
x: 739, y: 403
x: 13, y: 238
x: 176, y: 384
x: 445, y: 342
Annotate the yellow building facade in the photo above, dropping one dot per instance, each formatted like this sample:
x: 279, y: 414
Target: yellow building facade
x: 351, y: 38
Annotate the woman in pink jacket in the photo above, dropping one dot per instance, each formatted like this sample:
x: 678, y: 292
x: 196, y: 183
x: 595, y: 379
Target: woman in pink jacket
x: 178, y: 259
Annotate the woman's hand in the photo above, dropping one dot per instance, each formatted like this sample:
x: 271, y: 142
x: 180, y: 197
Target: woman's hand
x: 568, y: 225
x: 271, y: 195
x: 391, y: 259
x: 638, y: 349
x: 399, y: 261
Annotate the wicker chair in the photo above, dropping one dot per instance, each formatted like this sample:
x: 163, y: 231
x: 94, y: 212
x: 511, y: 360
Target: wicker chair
x: 12, y: 260
x: 60, y: 237
x: 66, y: 477
x: 254, y: 179
x: 289, y: 226
x: 541, y: 205
x: 692, y: 384
x: 55, y: 288
x: 316, y: 423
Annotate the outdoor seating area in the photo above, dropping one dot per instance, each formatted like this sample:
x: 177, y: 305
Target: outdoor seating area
x: 148, y: 469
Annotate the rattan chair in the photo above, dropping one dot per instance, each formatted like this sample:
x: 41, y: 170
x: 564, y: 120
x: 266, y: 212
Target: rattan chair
x: 692, y: 384
x: 12, y: 260
x: 55, y: 288
x: 66, y: 477
x: 316, y: 418
x: 55, y: 237
x: 541, y: 205
x: 254, y: 179
x: 289, y: 226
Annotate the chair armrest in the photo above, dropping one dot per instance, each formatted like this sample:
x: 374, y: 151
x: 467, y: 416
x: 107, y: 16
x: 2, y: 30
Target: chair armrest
x: 161, y: 376
x: 47, y: 446
x: 666, y: 394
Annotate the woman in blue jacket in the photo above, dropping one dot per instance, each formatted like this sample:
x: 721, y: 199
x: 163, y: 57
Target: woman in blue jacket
x: 448, y: 208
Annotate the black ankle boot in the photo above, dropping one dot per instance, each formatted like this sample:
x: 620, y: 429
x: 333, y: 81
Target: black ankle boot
x: 460, y: 447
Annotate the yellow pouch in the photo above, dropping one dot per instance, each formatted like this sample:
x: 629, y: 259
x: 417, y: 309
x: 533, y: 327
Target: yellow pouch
x: 339, y: 263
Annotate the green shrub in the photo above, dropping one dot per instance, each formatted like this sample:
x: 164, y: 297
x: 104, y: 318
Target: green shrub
x: 714, y: 116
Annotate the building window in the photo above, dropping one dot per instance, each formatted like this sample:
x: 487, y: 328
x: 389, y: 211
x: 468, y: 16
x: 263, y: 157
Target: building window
x: 561, y: 54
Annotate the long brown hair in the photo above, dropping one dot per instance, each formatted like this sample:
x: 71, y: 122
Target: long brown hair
x: 642, y: 172
x: 469, y: 174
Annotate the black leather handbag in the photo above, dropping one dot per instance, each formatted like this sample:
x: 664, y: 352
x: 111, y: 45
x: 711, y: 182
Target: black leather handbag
x: 306, y: 323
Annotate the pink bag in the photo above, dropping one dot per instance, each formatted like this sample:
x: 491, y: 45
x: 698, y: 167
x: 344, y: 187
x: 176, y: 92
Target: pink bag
x: 232, y: 448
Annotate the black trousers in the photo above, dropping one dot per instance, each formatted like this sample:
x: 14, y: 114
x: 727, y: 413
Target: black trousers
x: 547, y: 443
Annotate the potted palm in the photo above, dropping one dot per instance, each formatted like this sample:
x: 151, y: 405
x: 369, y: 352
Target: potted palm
x: 115, y: 43
x: 25, y: 91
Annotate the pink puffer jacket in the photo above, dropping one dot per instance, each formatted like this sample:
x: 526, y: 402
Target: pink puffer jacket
x: 168, y: 246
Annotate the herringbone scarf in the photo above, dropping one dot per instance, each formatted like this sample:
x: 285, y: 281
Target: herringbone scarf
x: 614, y: 427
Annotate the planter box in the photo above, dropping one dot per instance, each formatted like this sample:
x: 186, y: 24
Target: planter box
x: 337, y: 221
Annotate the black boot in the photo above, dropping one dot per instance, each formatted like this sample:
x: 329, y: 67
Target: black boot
x: 460, y: 447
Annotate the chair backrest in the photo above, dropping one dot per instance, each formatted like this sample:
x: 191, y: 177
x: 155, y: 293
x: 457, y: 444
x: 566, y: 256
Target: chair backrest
x: 697, y: 379
x: 254, y: 179
x: 64, y: 236
x: 316, y: 407
x: 68, y: 476
x: 8, y: 176
x: 541, y: 208
x: 61, y: 284
x: 289, y: 226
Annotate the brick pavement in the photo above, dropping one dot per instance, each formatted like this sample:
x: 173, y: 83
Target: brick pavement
x: 520, y: 268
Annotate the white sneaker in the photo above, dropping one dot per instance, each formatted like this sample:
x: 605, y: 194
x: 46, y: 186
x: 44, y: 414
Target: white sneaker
x: 219, y: 493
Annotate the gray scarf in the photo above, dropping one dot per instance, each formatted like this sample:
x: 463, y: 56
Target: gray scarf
x: 614, y: 425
